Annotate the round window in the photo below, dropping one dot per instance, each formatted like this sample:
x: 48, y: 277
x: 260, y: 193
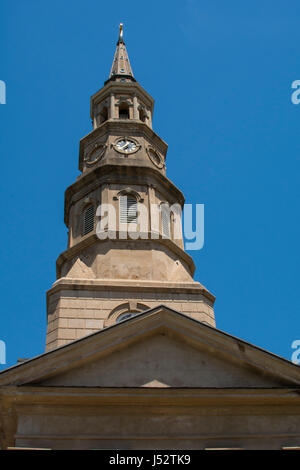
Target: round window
x: 155, y: 157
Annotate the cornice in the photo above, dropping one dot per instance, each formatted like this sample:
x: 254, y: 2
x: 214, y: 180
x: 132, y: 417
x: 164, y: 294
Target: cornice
x: 267, y: 399
x: 118, y: 285
x: 110, y: 174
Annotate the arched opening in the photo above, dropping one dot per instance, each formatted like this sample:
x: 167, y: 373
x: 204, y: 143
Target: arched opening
x: 123, y: 111
x: 103, y: 115
x: 88, y: 219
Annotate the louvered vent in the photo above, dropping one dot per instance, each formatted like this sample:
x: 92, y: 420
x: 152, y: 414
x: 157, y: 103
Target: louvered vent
x: 165, y: 218
x: 128, y: 209
x: 88, y: 219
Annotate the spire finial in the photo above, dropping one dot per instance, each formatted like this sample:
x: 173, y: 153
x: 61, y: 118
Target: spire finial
x: 121, y: 34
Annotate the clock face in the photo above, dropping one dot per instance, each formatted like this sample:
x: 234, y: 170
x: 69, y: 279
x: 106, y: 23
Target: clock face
x: 126, y: 146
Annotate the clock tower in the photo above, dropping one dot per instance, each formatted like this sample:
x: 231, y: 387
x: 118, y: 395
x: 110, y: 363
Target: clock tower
x: 141, y: 363
x: 137, y: 260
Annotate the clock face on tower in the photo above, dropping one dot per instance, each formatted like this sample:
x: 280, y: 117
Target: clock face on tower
x: 126, y: 145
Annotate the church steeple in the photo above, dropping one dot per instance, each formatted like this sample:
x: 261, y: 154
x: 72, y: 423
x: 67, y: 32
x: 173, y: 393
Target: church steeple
x: 112, y: 271
x: 121, y: 69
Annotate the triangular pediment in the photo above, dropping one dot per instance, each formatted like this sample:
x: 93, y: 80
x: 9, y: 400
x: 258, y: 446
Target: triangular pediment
x: 158, y: 348
x: 161, y: 360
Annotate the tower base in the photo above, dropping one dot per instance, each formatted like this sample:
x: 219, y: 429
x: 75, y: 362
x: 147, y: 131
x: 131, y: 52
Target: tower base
x: 79, y: 307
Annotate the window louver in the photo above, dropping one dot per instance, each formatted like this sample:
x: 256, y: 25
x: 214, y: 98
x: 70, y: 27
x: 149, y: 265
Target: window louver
x: 128, y: 209
x: 88, y: 220
x: 165, y: 218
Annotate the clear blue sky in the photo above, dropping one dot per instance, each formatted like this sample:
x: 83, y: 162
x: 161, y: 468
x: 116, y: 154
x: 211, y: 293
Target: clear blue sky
x: 220, y: 73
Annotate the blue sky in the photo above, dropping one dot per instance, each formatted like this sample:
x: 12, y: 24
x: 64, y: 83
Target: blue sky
x: 221, y: 74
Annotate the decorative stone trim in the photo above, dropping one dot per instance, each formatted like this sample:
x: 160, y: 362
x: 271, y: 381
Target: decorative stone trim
x: 131, y: 191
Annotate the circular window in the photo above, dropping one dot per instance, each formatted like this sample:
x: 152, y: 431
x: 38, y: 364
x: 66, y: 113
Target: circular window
x: 95, y: 154
x: 125, y: 316
x: 155, y: 157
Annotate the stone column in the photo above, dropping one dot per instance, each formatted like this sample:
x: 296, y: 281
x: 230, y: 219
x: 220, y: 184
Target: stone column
x: 149, y: 119
x: 153, y: 216
x: 95, y: 117
x: 111, y: 106
x: 70, y: 233
x: 135, y: 108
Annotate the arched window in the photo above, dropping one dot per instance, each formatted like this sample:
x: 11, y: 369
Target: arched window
x: 88, y: 219
x: 124, y: 311
x: 123, y: 111
x: 125, y: 316
x: 128, y: 209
